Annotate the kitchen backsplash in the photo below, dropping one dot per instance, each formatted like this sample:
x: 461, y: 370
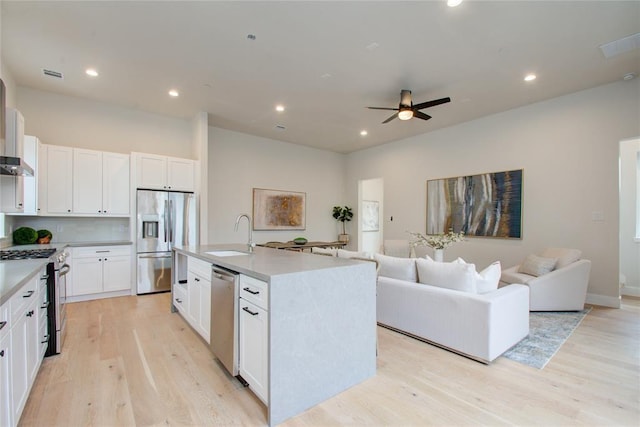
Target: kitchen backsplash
x: 77, y: 229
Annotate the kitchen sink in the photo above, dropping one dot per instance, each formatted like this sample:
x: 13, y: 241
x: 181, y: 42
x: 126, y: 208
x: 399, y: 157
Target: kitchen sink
x: 227, y: 253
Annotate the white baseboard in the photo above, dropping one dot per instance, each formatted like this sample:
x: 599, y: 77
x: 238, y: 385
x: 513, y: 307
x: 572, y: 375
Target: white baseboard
x: 632, y: 292
x: 80, y: 298
x: 603, y: 300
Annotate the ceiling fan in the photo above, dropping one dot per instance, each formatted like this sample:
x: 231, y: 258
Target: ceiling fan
x: 407, y: 110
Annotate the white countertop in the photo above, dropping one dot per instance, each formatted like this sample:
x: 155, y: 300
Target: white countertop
x: 263, y: 263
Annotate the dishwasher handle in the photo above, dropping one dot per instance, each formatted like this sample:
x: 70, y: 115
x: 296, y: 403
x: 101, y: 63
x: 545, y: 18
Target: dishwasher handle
x: 223, y: 275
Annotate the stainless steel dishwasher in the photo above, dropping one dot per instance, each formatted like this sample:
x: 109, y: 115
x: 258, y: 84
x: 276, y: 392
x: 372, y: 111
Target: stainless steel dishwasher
x: 224, y: 317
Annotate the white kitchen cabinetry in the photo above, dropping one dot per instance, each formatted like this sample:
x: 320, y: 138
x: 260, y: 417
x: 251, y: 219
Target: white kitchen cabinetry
x: 5, y: 382
x: 157, y: 172
x: 100, y: 182
x: 58, y: 181
x: 100, y: 270
x: 24, y: 348
x: 253, y: 339
x: 12, y: 190
x: 198, y: 301
x: 19, y: 193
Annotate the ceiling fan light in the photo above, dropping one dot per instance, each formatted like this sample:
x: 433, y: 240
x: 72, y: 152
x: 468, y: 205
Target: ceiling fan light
x: 405, y: 114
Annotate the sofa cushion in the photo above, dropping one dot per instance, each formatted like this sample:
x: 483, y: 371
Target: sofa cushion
x: 325, y: 251
x: 511, y: 275
x: 487, y: 280
x: 451, y: 275
x: 397, y: 268
x: 343, y: 253
x: 537, y: 266
x: 565, y: 256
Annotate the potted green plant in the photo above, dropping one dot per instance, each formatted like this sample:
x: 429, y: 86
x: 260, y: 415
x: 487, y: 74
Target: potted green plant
x: 342, y: 214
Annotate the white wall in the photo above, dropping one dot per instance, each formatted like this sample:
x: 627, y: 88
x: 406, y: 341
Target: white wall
x: 239, y: 162
x: 629, y: 242
x: 75, y: 122
x: 568, y: 148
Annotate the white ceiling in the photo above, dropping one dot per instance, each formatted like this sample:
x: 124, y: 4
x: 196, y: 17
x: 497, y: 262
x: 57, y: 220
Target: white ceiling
x: 325, y: 61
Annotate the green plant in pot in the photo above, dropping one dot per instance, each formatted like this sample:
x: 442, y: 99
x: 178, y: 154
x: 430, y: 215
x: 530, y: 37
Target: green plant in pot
x: 343, y: 214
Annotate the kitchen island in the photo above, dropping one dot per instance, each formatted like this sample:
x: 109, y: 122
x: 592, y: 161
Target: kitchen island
x: 320, y: 314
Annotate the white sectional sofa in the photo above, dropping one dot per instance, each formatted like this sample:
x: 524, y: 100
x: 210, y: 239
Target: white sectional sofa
x: 480, y: 326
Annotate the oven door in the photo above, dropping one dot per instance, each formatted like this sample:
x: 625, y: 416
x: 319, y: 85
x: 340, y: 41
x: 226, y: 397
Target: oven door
x: 58, y: 309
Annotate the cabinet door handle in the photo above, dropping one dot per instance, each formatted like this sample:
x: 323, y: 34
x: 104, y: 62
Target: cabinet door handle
x: 46, y: 339
x: 178, y: 300
x: 2, y: 324
x: 28, y: 294
x: 196, y: 279
x: 251, y: 291
x: 1, y: 353
x: 182, y: 282
x: 46, y: 304
x: 30, y: 313
x: 45, y: 277
x: 249, y: 311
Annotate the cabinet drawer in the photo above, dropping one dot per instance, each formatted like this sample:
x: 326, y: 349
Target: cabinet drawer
x: 199, y: 267
x: 255, y: 291
x: 93, y: 251
x: 21, y: 300
x: 179, y: 298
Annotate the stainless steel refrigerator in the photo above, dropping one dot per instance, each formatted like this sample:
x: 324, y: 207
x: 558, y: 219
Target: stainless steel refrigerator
x: 164, y: 219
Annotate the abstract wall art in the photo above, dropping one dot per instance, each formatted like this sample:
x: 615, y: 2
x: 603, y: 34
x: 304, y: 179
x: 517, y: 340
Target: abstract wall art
x: 370, y: 215
x: 486, y: 205
x: 278, y: 210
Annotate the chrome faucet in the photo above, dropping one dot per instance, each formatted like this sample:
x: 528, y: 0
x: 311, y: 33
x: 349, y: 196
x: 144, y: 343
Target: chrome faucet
x: 250, y: 244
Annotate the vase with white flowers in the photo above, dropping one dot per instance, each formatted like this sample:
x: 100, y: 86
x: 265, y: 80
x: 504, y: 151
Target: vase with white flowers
x: 438, y: 242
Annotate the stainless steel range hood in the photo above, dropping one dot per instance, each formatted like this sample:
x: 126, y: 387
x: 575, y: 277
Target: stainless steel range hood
x: 10, y: 148
x: 14, y: 166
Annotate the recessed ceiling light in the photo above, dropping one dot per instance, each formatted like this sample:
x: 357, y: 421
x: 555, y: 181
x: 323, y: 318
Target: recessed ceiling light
x: 453, y: 3
x: 628, y: 76
x: 251, y: 36
x: 91, y: 72
x: 279, y: 108
x: 173, y: 93
x: 364, y: 133
x: 529, y: 77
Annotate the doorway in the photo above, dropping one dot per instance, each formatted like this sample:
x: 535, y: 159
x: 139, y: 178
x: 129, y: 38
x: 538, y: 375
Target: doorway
x: 630, y: 217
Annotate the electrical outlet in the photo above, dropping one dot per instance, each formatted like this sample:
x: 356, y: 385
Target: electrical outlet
x: 597, y: 216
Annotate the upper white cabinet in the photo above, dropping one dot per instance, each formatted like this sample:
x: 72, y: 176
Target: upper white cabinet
x: 82, y: 182
x: 164, y: 173
x: 100, y: 183
x: 58, y: 181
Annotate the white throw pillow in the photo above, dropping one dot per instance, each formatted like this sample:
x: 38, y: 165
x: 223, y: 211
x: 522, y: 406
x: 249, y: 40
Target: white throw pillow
x: 537, y: 266
x: 343, y: 253
x: 451, y: 275
x: 325, y: 251
x: 487, y: 280
x: 397, y: 268
x: 565, y: 256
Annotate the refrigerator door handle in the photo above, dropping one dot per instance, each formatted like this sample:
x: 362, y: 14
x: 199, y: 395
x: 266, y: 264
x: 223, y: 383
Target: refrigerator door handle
x: 171, y: 222
x: 166, y: 220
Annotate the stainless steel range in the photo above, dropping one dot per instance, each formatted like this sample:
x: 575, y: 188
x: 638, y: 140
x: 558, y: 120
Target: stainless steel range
x: 57, y: 268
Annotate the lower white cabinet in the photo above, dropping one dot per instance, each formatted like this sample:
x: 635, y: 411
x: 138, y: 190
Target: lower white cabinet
x: 21, y: 348
x: 253, y: 336
x: 100, y: 269
x: 5, y: 382
x: 198, y: 307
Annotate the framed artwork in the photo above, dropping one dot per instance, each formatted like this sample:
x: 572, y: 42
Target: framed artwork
x: 278, y: 210
x: 486, y: 205
x: 370, y: 215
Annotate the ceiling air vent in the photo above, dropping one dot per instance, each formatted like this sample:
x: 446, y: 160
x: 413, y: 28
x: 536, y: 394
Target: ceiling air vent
x: 280, y: 127
x: 51, y: 73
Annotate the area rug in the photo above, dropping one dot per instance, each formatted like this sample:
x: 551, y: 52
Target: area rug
x: 547, y: 332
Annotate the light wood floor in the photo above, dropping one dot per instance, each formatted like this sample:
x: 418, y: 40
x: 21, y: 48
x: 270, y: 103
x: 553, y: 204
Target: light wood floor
x: 130, y: 362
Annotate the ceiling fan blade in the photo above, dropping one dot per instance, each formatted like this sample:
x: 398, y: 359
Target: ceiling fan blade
x: 431, y: 103
x: 382, y: 108
x: 421, y: 115
x: 390, y: 118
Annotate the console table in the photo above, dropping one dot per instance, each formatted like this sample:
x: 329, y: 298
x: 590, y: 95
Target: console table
x: 296, y: 247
